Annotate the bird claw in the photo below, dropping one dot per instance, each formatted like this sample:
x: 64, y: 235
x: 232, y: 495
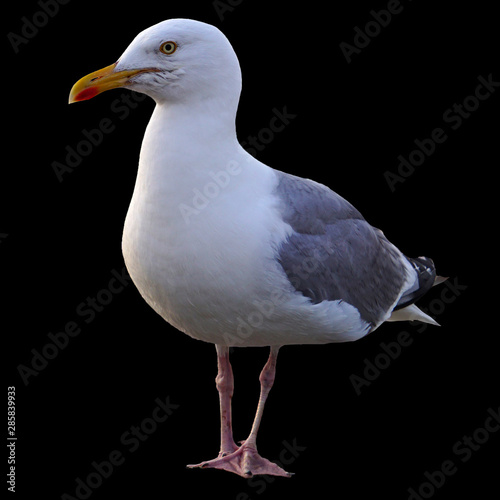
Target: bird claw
x: 245, y: 461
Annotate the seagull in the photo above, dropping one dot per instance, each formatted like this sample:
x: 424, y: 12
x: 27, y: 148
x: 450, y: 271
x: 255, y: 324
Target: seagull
x: 231, y: 251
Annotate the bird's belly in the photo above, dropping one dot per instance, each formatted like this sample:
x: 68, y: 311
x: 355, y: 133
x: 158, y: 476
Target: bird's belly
x: 219, y: 280
x: 208, y: 284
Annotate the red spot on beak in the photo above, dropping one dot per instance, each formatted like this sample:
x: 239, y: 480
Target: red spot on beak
x: 86, y: 94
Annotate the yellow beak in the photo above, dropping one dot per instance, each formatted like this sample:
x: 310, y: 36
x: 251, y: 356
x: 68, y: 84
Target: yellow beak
x: 100, y: 81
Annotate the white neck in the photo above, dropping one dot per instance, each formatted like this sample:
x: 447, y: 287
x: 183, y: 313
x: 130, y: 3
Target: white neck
x: 182, y: 143
x: 181, y: 164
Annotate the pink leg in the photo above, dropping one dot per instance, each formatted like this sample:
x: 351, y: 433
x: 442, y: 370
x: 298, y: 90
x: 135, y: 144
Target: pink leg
x: 245, y: 460
x: 266, y: 383
x: 225, y: 385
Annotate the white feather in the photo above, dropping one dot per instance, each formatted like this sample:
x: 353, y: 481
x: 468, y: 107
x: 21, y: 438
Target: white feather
x: 412, y: 313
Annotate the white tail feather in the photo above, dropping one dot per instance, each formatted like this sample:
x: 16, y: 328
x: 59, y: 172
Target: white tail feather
x: 411, y: 313
x: 439, y: 279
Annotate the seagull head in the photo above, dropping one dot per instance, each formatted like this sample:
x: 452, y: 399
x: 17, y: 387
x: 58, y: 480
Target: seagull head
x: 178, y: 60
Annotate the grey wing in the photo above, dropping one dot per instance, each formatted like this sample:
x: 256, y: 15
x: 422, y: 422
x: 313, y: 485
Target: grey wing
x: 334, y: 254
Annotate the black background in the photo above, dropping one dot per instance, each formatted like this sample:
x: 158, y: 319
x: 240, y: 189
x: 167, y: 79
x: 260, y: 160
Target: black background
x: 60, y: 242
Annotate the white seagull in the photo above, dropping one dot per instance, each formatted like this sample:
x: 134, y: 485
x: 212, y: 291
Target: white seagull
x: 231, y: 251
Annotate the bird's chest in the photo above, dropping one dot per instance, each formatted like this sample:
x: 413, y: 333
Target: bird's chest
x: 199, y: 266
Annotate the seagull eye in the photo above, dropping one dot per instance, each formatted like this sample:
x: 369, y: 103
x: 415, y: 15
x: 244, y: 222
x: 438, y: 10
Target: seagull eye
x: 168, y: 48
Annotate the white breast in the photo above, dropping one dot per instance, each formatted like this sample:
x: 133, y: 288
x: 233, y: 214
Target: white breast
x: 200, y: 244
x: 192, y: 239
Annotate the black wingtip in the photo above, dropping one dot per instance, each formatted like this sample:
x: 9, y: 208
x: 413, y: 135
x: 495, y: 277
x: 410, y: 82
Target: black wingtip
x: 426, y: 271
